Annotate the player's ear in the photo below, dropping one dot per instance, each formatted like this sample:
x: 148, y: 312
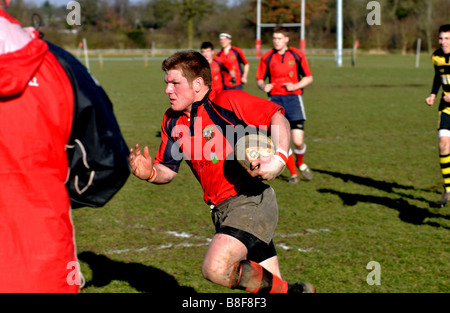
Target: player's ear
x: 198, y: 84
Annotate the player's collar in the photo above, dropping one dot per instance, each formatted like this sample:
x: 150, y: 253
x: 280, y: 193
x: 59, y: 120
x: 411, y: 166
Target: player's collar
x: 194, y: 110
x: 196, y: 104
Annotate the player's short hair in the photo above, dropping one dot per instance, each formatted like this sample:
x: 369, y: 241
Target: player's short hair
x: 191, y: 63
x: 207, y: 45
x: 281, y: 30
x: 444, y: 28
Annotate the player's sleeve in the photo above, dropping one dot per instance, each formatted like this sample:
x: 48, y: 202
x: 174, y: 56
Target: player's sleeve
x: 436, y: 81
x: 305, y: 67
x: 242, y: 56
x: 261, y: 70
x: 169, y: 151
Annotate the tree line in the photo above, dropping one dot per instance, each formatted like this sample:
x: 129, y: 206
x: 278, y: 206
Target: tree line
x: 122, y: 24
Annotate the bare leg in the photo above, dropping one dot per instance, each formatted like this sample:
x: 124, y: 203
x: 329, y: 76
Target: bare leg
x: 272, y: 266
x: 222, y: 254
x: 298, y: 136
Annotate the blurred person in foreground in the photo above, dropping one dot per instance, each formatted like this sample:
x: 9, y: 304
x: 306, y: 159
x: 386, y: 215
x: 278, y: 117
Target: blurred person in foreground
x: 287, y: 72
x: 200, y: 127
x: 441, y: 62
x: 237, y: 66
x: 51, y: 158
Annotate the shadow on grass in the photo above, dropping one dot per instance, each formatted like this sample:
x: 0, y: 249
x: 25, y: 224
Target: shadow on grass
x: 143, y: 278
x: 407, y: 212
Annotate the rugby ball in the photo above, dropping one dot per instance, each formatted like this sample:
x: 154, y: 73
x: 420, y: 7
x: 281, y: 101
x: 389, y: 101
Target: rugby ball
x: 251, y: 147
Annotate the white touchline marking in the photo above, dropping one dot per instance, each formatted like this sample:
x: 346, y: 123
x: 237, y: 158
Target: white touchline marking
x: 283, y: 246
x: 165, y: 246
x: 177, y: 234
x: 286, y: 247
x: 183, y: 234
x: 182, y: 245
x: 307, y: 232
x: 307, y: 250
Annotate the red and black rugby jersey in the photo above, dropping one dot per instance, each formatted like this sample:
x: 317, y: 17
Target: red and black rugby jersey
x: 216, y: 72
x: 232, y: 61
x: 206, y: 139
x: 283, y: 68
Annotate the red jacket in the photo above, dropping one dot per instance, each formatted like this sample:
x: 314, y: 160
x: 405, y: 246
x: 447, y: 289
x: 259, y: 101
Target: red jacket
x: 36, y: 113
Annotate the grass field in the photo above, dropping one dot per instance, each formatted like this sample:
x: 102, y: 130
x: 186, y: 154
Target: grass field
x: 372, y: 145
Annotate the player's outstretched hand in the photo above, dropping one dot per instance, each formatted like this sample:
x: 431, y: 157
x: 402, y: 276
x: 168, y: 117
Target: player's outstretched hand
x: 141, y: 164
x: 267, y: 168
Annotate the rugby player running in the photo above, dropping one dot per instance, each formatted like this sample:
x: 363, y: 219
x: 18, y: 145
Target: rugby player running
x: 241, y: 254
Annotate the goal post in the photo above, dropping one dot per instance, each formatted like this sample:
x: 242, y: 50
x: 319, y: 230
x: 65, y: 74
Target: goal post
x: 259, y: 25
x: 339, y: 29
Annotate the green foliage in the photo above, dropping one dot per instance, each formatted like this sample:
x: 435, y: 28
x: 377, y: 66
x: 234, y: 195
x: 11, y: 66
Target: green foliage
x: 372, y: 146
x: 137, y: 36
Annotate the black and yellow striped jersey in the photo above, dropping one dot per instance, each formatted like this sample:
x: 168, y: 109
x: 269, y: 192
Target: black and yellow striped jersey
x: 441, y: 63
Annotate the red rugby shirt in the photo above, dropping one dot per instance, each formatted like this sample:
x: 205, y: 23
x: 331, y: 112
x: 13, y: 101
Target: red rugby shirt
x: 206, y: 140
x: 283, y: 68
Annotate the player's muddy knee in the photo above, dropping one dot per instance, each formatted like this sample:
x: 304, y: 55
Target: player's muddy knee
x: 217, y: 274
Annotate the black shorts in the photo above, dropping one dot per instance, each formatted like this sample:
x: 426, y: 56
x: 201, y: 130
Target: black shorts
x: 300, y: 124
x: 444, y: 125
x: 257, y: 250
x: 444, y: 121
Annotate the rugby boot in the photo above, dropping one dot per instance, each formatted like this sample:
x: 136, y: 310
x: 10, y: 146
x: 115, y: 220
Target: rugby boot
x: 442, y: 202
x: 294, y: 179
x: 300, y: 287
x: 305, y: 172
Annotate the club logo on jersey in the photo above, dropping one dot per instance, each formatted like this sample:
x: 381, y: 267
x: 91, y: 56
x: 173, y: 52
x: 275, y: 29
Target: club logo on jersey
x: 208, y: 133
x: 33, y: 82
x: 291, y: 63
x: 291, y: 74
x: 214, y: 158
